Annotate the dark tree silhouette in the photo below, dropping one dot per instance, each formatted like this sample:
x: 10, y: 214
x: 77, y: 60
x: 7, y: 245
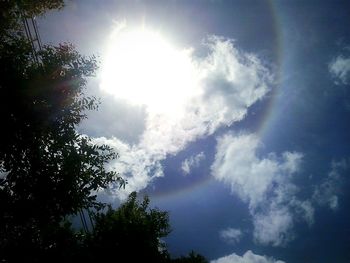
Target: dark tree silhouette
x: 132, y: 233
x: 134, y: 230
x: 192, y: 257
x: 11, y: 12
x: 48, y: 171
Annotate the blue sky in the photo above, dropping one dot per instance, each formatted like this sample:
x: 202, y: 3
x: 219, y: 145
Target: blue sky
x: 243, y: 132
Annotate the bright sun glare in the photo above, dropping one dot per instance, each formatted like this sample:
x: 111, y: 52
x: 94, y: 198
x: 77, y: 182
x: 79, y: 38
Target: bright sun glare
x: 143, y: 68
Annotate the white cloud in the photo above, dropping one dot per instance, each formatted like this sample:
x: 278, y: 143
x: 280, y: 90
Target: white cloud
x: 326, y: 193
x: 192, y: 162
x: 231, y: 235
x: 248, y: 257
x: 265, y: 183
x: 237, y: 164
x: 305, y: 209
x: 135, y: 164
x: 228, y: 82
x: 340, y: 69
x: 274, y: 226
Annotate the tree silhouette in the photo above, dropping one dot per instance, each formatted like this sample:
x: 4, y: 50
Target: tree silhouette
x: 49, y: 172
x: 132, y: 233
x: 192, y: 257
x: 12, y: 11
x: 134, y: 230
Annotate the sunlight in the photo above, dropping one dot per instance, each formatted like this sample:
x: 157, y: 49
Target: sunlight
x: 143, y: 68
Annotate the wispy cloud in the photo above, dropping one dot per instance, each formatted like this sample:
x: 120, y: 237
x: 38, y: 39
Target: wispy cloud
x: 231, y: 235
x: 340, y: 69
x: 248, y: 257
x: 274, y: 226
x: 265, y: 183
x: 326, y: 193
x: 228, y: 82
x: 192, y: 162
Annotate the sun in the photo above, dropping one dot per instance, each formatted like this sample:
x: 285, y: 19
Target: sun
x: 144, y: 68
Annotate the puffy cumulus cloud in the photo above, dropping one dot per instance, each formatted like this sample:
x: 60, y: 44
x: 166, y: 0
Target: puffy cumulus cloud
x: 340, y: 69
x: 250, y: 177
x: 248, y: 257
x: 192, y: 162
x: 231, y: 235
x: 326, y: 193
x: 227, y: 82
x: 265, y: 183
x: 231, y: 81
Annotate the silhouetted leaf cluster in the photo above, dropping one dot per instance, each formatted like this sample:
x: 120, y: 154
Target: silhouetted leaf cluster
x: 49, y: 172
x: 192, y: 257
x: 134, y: 230
x: 132, y: 233
x: 12, y: 10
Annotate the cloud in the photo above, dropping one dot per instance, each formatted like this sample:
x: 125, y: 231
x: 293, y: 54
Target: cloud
x: 134, y: 163
x: 192, y: 162
x: 326, y: 193
x: 250, y: 177
x: 228, y: 81
x: 231, y: 235
x: 305, y: 209
x: 274, y: 226
x: 248, y: 257
x: 265, y: 183
x: 340, y: 69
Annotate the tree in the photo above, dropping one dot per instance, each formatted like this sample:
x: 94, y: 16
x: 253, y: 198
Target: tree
x: 48, y: 170
x: 13, y: 10
x: 133, y: 232
x: 192, y: 257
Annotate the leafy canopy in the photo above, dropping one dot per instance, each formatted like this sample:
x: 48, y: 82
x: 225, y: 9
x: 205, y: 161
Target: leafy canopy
x: 49, y: 171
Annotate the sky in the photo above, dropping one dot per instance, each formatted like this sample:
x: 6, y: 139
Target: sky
x: 234, y: 116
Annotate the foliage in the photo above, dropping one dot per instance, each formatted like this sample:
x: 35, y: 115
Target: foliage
x: 12, y: 10
x: 134, y: 230
x: 192, y: 257
x: 132, y: 233
x: 48, y: 170
x: 38, y: 7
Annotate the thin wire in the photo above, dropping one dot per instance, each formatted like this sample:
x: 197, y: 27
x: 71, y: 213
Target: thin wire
x: 83, y: 221
x: 86, y: 225
x: 30, y: 38
x: 91, y: 221
x: 36, y: 31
